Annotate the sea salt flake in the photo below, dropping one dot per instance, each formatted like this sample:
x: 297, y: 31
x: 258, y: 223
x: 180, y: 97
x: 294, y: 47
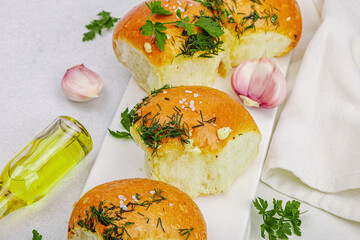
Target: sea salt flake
x: 123, y: 206
x: 134, y: 198
x: 121, y: 197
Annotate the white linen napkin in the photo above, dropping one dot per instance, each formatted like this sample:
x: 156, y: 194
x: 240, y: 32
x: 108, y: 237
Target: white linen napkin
x: 314, y: 155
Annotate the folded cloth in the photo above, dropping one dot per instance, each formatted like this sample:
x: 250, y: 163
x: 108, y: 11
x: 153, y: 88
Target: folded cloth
x: 314, y: 155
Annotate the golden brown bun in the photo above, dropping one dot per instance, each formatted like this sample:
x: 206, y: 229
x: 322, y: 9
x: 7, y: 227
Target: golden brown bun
x: 128, y: 29
x: 208, y: 163
x: 157, y: 218
x: 228, y: 111
x: 153, y: 68
x: 276, y: 29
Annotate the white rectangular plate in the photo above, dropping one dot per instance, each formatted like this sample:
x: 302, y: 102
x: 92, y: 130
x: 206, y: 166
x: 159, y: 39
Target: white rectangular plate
x: 226, y: 214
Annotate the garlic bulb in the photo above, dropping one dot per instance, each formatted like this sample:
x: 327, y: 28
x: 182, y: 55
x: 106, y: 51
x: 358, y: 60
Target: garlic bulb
x: 80, y: 84
x: 259, y: 83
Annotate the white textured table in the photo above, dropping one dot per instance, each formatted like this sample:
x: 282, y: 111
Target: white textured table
x: 39, y: 40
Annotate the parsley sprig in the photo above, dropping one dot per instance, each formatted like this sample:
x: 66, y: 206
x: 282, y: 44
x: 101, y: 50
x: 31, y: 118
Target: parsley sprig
x: 206, y: 40
x: 126, y: 123
x: 279, y: 221
x: 36, y: 235
x: 97, y: 25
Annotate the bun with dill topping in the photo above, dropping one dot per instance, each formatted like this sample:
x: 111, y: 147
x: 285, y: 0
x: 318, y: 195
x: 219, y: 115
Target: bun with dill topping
x: 136, y: 209
x: 247, y: 29
x: 196, y: 138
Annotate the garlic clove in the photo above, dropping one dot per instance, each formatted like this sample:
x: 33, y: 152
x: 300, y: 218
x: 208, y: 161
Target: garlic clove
x: 80, y: 84
x: 276, y: 92
x: 259, y: 83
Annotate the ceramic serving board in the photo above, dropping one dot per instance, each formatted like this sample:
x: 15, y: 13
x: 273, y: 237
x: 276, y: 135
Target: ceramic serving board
x: 226, y: 214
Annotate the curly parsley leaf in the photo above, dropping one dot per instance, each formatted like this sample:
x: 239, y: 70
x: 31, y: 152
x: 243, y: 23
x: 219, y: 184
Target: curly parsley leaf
x: 126, y: 123
x: 160, y: 36
x: 147, y: 29
x: 97, y: 25
x: 210, y: 26
x: 157, y: 29
x: 185, y: 23
x: 156, y: 8
x: 279, y: 221
x: 36, y: 235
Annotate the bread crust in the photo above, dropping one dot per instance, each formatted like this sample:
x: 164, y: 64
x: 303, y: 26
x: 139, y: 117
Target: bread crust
x: 178, y: 211
x: 209, y: 103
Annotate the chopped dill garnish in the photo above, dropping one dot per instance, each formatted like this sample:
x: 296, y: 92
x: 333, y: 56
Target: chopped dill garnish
x: 200, y: 42
x: 201, y: 122
x: 111, y: 215
x: 160, y: 223
x: 185, y: 232
x: 153, y: 132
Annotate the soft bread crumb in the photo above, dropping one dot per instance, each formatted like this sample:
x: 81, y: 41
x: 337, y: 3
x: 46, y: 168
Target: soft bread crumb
x: 190, y: 71
x: 204, y: 173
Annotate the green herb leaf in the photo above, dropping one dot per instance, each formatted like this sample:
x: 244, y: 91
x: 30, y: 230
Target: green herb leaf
x: 147, y: 29
x: 156, y: 8
x: 210, y: 26
x: 185, y: 23
x: 274, y: 18
x: 126, y: 123
x: 118, y: 134
x: 36, y: 235
x: 160, y: 35
x: 96, y: 26
x: 201, y: 42
x: 125, y: 119
x: 279, y: 221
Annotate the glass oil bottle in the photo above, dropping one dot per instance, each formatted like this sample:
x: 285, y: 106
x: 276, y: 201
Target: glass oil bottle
x: 33, y: 172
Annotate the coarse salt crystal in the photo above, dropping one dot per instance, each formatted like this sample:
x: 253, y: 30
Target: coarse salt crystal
x: 152, y: 192
x: 186, y: 103
x: 164, y: 91
x: 188, y: 91
x: 123, y: 206
x: 181, y: 102
x: 184, y: 99
x: 121, y: 197
x: 196, y: 95
x: 200, y: 101
x: 171, y: 204
x: 166, y: 5
x: 183, y: 106
x: 192, y: 102
x: 288, y: 19
x: 193, y: 109
x: 179, y: 3
x: 134, y: 198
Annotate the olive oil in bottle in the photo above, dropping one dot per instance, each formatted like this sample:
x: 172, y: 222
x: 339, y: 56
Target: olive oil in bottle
x: 42, y: 163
